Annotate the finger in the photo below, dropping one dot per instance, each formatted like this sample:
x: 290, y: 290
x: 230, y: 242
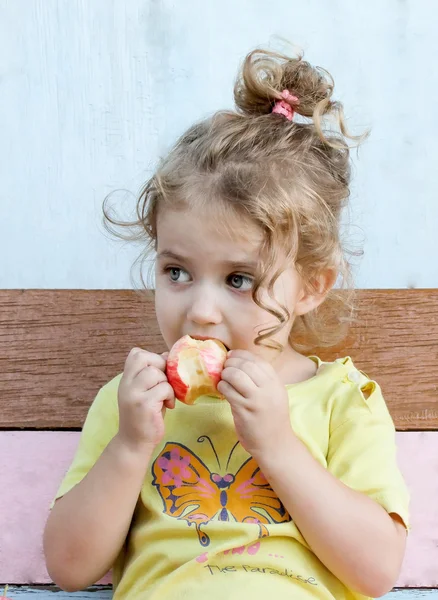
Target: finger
x: 250, y: 357
x: 253, y: 370
x: 239, y: 380
x: 231, y: 394
x: 148, y: 378
x: 161, y: 393
x: 169, y: 403
x: 138, y: 359
x: 138, y: 355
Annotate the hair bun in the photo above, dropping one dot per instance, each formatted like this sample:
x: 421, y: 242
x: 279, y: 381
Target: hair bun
x: 265, y: 75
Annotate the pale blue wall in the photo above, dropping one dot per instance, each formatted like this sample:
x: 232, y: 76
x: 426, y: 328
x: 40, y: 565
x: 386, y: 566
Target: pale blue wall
x: 92, y: 91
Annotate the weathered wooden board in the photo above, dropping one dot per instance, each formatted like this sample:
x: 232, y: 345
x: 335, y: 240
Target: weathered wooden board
x: 33, y: 593
x: 33, y: 463
x: 57, y: 347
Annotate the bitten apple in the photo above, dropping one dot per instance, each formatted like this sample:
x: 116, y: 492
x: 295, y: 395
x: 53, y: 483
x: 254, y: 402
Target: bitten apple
x: 194, y: 368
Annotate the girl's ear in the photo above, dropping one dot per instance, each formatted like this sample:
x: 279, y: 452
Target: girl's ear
x: 316, y: 293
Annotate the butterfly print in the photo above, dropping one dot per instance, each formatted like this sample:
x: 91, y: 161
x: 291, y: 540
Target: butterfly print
x: 191, y: 492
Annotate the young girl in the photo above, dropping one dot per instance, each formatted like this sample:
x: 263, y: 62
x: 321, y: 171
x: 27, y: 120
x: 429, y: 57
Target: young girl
x: 289, y: 487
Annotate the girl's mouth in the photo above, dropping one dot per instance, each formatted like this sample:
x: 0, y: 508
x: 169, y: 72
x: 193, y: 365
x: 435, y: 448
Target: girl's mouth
x: 209, y: 337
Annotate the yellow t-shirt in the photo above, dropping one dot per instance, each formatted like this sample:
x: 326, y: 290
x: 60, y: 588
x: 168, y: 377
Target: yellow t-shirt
x: 208, y: 525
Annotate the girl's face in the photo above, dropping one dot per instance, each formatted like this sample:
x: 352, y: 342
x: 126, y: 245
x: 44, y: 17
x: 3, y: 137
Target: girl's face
x: 204, y: 278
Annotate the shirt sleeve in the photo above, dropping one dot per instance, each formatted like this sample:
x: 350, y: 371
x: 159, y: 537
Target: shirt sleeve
x: 362, y: 449
x: 101, y: 425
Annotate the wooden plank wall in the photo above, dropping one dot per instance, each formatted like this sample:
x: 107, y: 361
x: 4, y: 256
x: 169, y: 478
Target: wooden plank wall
x: 51, y: 340
x: 57, y: 347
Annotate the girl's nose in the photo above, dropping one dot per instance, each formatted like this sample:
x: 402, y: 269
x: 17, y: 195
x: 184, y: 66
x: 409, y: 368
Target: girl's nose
x: 204, y: 309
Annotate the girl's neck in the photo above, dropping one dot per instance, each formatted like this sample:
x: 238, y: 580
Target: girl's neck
x: 293, y: 367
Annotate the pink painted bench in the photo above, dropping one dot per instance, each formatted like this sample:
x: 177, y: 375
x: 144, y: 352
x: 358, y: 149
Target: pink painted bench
x: 47, y: 339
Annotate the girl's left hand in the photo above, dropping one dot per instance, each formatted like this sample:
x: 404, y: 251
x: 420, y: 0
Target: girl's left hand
x: 259, y: 402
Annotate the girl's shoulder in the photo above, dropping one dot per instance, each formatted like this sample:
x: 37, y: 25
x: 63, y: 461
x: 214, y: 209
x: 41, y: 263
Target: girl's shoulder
x: 347, y: 392
x: 340, y: 370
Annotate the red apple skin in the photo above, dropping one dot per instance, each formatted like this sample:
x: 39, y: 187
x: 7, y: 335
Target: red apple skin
x: 194, y: 368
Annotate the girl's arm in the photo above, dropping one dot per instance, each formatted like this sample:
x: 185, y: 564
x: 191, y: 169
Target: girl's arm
x: 350, y: 533
x: 355, y: 537
x: 88, y: 526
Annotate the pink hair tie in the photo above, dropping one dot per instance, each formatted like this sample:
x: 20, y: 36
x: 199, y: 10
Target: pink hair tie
x: 283, y: 107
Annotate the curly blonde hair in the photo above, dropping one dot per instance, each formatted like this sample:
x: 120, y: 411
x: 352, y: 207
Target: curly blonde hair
x: 291, y: 178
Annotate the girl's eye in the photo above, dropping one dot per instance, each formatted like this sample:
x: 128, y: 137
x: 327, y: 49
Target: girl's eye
x: 240, y: 282
x: 178, y: 275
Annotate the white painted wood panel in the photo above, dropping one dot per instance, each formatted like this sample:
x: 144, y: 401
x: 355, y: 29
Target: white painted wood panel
x: 93, y: 92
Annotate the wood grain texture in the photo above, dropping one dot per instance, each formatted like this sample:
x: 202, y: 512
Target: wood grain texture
x: 57, y: 347
x: 32, y: 464
x: 103, y: 593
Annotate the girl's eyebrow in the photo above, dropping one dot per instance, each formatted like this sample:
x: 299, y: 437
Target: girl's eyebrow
x: 170, y: 254
x: 230, y: 264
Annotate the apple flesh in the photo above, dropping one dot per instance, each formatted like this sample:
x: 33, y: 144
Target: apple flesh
x: 194, y: 368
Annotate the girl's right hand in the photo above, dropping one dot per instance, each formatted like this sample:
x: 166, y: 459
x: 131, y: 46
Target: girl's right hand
x: 144, y: 394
